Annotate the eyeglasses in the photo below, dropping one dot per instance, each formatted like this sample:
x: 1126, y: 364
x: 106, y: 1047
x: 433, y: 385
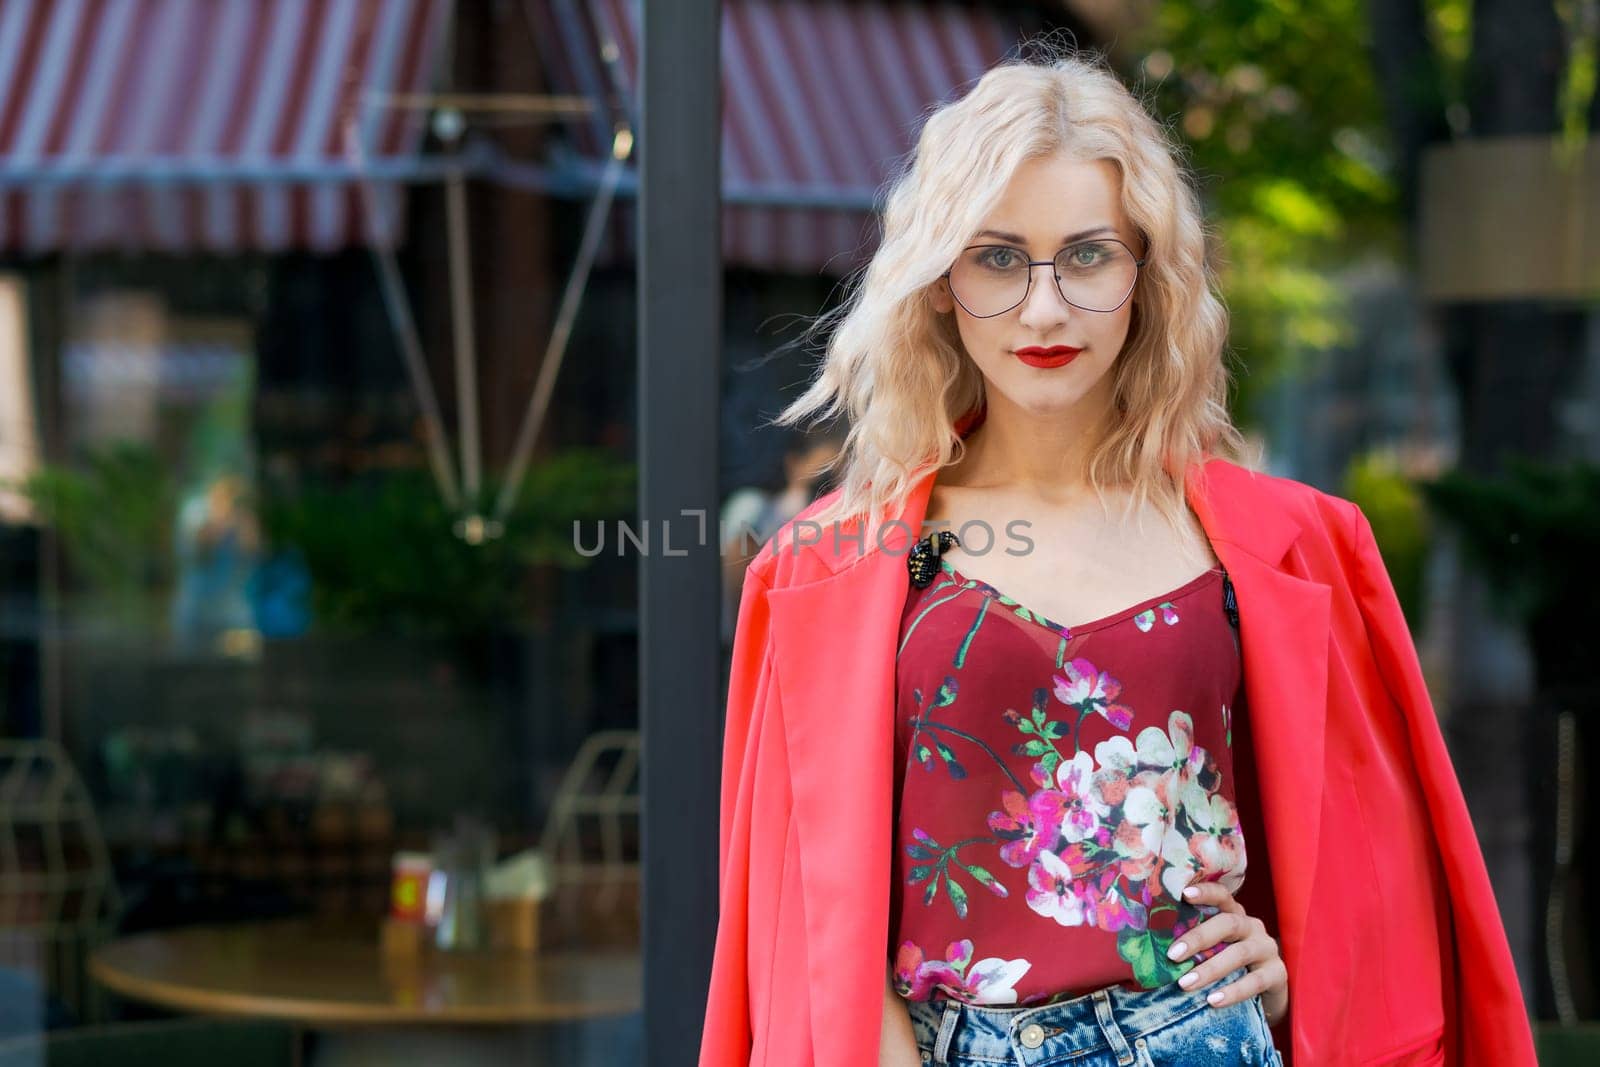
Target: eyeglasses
x: 1095, y: 275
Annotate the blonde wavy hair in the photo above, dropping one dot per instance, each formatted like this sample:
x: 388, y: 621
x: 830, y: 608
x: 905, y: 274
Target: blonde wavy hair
x: 896, y: 368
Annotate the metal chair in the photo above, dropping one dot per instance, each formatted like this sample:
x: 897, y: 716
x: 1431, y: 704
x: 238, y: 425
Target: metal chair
x: 58, y: 898
x: 607, y: 795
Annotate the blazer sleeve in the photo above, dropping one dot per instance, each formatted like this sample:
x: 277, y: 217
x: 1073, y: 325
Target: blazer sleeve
x: 726, y: 1037
x: 1486, y: 1020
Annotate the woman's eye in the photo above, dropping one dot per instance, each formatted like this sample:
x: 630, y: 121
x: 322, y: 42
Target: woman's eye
x: 1002, y: 258
x: 1085, y: 257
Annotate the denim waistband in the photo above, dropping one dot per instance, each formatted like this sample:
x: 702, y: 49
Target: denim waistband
x: 1106, y: 1019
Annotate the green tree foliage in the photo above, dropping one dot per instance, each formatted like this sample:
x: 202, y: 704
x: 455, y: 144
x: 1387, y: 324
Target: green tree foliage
x: 1284, y: 128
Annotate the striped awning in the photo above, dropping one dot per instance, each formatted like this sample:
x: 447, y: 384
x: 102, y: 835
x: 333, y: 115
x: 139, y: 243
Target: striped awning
x: 208, y: 125
x: 821, y: 99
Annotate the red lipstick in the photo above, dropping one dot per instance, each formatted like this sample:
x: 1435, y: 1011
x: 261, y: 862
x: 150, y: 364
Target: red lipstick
x: 1054, y: 356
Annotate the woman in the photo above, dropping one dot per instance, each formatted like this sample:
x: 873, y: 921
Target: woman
x: 979, y: 800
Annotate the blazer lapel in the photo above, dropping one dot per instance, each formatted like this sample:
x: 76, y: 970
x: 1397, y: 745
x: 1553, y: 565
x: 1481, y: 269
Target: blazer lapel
x: 833, y: 641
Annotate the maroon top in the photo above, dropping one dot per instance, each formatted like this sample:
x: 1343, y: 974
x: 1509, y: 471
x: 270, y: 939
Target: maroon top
x: 1057, y: 788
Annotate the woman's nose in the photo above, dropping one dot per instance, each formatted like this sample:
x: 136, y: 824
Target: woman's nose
x: 1044, y: 304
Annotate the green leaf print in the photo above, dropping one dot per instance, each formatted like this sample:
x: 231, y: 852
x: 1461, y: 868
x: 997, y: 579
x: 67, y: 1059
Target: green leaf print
x: 958, y: 895
x: 940, y: 868
x: 987, y: 880
x: 947, y: 694
x: 1146, y: 952
x: 957, y: 771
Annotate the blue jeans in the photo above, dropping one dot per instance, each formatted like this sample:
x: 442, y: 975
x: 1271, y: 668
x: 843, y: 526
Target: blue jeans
x: 1112, y: 1027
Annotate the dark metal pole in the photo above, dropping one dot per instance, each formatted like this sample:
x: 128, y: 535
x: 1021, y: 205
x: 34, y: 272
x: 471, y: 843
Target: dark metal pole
x: 680, y: 341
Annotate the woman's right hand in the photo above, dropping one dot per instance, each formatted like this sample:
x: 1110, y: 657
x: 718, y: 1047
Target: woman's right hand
x: 897, y: 1042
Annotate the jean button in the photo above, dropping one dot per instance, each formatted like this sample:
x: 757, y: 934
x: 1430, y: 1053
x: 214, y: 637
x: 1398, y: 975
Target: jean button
x: 1033, y: 1035
x: 927, y: 1057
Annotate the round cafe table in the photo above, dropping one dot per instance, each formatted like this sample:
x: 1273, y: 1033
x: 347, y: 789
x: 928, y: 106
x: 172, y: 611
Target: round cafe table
x: 334, y: 978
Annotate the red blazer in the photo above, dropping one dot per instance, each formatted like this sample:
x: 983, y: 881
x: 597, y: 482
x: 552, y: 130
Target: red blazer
x: 1374, y: 883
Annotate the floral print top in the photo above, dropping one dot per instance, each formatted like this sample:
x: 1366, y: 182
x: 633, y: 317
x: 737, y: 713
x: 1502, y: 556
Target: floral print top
x: 1057, y: 788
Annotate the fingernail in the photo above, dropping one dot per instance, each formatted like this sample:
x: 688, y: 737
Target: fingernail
x: 1177, y: 951
x: 1214, y: 996
x: 1187, y: 980
x: 1191, y: 892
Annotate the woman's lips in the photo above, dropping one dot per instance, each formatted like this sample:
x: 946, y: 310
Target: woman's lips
x: 1055, y: 356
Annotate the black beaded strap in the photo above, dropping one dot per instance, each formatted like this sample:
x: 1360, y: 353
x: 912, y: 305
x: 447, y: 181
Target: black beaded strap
x: 923, y: 560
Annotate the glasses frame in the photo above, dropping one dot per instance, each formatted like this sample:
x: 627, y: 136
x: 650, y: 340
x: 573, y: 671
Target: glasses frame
x: 1138, y: 262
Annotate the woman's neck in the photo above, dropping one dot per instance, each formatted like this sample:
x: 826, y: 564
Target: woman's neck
x: 1045, y: 456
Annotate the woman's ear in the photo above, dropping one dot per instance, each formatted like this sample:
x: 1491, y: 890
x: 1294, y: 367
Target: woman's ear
x: 943, y: 301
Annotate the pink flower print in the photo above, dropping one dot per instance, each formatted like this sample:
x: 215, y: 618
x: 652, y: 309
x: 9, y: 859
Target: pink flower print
x: 1040, y: 773
x: 1084, y: 806
x: 1095, y: 885
x: 1051, y: 891
x: 1169, y: 614
x: 1145, y: 619
x: 1084, y: 687
x: 1079, y: 859
x: 1028, y: 825
x: 1110, y: 910
x: 989, y: 981
x: 915, y: 979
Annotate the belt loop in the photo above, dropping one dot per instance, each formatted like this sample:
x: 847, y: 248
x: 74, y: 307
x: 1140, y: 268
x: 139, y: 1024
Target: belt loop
x: 1108, y: 1026
x: 947, y: 1030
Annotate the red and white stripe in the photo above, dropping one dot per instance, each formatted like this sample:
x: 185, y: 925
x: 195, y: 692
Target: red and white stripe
x: 820, y: 101
x: 229, y: 113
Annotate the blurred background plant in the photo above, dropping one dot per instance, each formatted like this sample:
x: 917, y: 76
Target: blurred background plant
x: 381, y: 550
x: 113, y: 511
x: 1534, y: 534
x: 384, y: 555
x: 1400, y: 524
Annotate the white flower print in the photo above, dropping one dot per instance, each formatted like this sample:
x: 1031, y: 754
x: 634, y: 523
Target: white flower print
x: 994, y: 980
x: 1084, y: 807
x: 1050, y: 890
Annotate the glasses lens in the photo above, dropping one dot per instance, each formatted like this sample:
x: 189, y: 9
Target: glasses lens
x: 1096, y: 275
x: 989, y: 279
x: 1093, y: 275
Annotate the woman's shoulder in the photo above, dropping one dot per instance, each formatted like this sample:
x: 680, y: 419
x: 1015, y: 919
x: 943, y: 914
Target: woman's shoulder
x: 791, y: 556
x: 1301, y: 500
x: 1274, y: 510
